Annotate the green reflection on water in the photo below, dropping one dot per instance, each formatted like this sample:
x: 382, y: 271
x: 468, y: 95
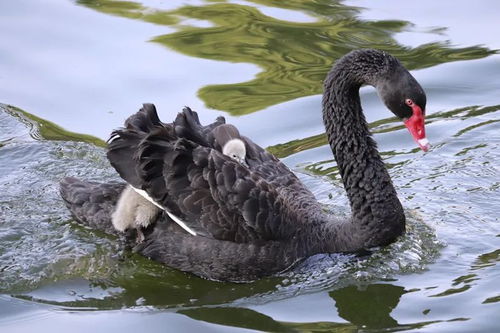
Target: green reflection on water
x: 492, y: 300
x: 487, y: 260
x: 294, y: 57
x: 130, y: 9
x: 44, y: 129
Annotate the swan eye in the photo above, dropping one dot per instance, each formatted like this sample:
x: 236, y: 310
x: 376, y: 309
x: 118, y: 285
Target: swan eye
x: 409, y: 102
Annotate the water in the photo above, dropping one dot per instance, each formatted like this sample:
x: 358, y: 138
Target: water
x: 87, y: 65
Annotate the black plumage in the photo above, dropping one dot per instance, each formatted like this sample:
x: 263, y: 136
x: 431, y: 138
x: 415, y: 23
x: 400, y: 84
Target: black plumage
x: 258, y: 219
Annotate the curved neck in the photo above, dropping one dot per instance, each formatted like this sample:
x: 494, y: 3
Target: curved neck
x: 376, y: 210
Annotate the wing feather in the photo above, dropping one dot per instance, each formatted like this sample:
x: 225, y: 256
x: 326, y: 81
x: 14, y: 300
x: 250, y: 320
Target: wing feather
x: 207, y: 189
x: 180, y: 167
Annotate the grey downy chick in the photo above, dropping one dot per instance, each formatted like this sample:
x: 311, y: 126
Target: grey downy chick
x: 228, y: 138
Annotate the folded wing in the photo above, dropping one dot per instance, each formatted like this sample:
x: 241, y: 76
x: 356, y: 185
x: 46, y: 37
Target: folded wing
x: 211, y: 193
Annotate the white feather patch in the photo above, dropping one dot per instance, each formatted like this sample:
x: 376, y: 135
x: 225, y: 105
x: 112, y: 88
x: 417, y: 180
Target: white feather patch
x: 113, y: 138
x: 172, y: 216
x: 423, y: 142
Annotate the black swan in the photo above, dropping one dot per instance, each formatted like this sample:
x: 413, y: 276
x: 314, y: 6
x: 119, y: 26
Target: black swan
x: 257, y: 219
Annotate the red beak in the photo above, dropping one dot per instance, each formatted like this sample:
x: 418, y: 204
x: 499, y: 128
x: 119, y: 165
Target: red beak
x: 416, y: 126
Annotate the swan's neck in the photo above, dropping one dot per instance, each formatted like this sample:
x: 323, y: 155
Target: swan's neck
x: 377, y: 214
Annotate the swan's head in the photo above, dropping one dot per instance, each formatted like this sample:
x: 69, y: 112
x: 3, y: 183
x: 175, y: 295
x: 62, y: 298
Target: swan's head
x: 235, y: 148
x: 403, y: 95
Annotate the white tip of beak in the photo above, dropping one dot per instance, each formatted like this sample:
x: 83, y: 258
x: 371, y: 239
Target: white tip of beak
x: 424, y: 144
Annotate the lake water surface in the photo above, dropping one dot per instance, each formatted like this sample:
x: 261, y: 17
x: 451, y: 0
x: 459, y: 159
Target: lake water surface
x: 71, y: 71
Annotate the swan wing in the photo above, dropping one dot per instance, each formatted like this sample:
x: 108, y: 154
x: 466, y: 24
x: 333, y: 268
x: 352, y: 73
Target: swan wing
x: 212, y: 194
x: 145, y: 120
x: 91, y: 203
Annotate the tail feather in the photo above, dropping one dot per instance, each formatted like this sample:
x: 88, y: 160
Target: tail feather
x: 91, y: 203
x: 121, y: 154
x: 145, y: 120
x: 187, y: 125
x: 123, y: 143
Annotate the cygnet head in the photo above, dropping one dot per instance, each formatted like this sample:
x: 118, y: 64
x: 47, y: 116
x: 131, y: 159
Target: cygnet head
x: 235, y: 148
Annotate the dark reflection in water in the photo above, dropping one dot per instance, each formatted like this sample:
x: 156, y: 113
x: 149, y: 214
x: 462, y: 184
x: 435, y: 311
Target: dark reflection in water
x: 371, y: 307
x: 137, y: 281
x: 237, y: 317
x: 293, y: 57
x: 368, y: 308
